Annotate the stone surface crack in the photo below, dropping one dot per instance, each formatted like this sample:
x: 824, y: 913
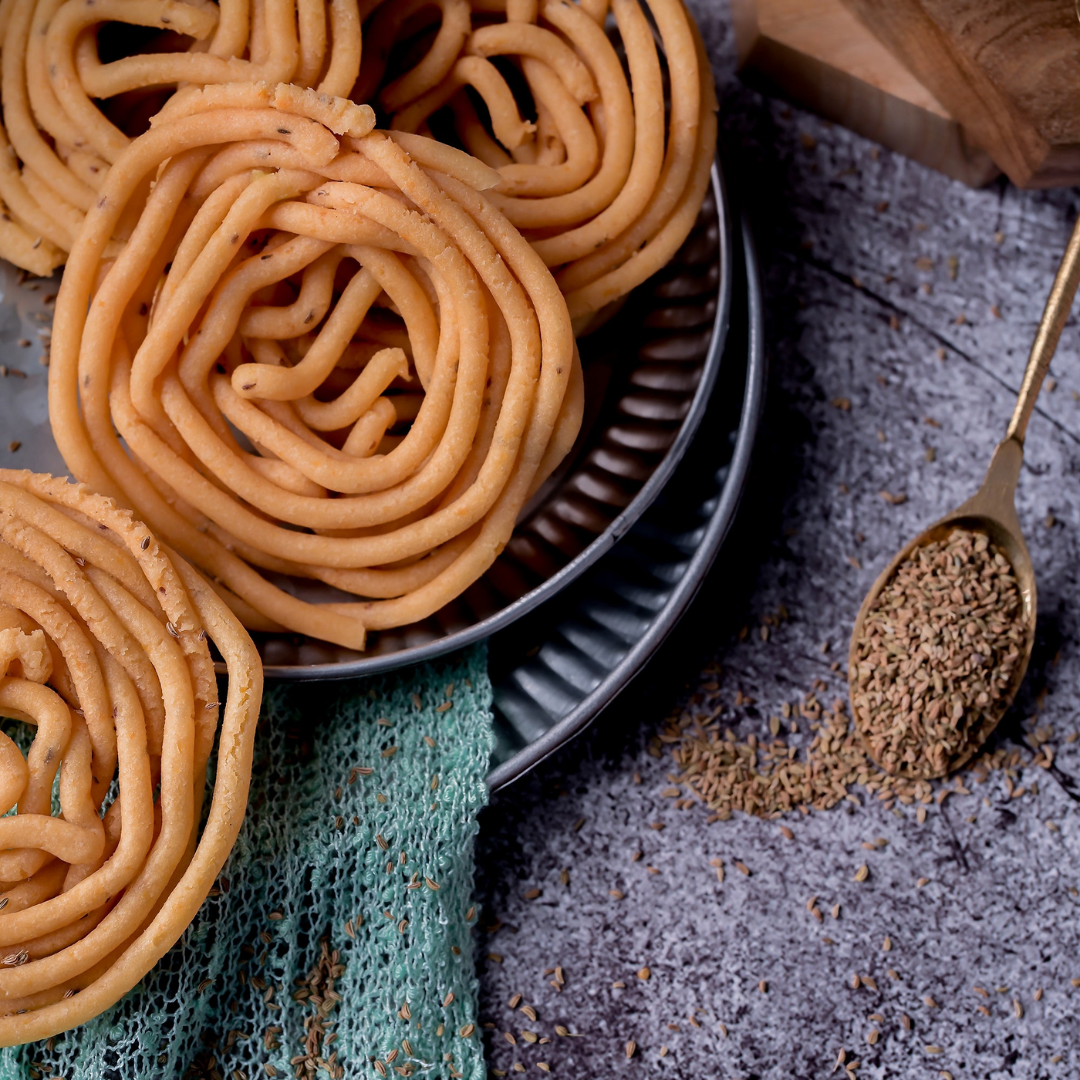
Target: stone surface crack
x: 1064, y: 780
x: 954, y: 841
x: 941, y: 339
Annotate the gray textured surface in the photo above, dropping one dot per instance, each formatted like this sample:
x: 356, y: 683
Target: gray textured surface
x: 997, y: 912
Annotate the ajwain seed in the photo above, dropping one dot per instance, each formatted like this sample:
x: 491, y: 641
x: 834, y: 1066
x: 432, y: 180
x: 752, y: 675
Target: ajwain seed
x: 936, y: 655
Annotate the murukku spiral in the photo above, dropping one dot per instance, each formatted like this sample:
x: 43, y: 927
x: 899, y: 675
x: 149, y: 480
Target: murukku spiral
x: 80, y: 77
x: 327, y: 354
x: 603, y: 180
x: 104, y: 662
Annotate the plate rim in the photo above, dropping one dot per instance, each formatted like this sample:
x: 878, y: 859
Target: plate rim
x: 624, y: 672
x: 605, y: 541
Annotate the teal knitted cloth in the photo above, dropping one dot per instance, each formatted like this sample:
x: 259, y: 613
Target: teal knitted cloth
x: 337, y: 942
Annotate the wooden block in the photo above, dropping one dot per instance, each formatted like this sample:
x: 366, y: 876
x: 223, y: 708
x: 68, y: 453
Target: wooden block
x: 819, y: 55
x: 1009, y: 70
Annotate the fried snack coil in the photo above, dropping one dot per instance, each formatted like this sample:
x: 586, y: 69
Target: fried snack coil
x: 68, y: 113
x: 605, y: 185
x: 103, y: 652
x: 312, y: 292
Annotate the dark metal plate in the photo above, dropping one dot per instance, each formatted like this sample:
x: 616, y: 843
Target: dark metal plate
x: 556, y: 669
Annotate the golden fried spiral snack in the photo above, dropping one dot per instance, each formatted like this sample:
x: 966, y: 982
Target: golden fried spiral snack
x: 69, y: 110
x: 604, y: 184
x: 104, y: 656
x: 327, y: 355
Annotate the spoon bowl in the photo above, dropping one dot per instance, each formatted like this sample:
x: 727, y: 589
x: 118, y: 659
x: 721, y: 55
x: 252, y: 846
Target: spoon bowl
x: 992, y: 511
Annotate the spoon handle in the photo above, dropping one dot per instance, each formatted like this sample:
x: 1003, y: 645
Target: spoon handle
x: 1058, y: 306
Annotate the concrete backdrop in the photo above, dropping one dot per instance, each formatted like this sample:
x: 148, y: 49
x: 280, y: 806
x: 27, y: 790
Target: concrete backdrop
x: 915, y: 299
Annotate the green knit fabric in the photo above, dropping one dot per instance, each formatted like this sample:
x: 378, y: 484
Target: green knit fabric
x: 364, y: 878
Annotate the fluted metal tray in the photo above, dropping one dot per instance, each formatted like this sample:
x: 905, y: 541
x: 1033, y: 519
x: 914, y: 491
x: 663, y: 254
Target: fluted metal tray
x: 555, y: 670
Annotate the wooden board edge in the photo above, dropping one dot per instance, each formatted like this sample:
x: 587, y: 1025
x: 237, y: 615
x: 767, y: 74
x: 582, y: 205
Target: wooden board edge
x: 936, y: 141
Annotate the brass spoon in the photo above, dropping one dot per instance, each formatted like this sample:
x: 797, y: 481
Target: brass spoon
x: 992, y: 509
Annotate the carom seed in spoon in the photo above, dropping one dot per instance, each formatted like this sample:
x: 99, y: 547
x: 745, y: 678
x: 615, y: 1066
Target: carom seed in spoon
x: 990, y: 511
